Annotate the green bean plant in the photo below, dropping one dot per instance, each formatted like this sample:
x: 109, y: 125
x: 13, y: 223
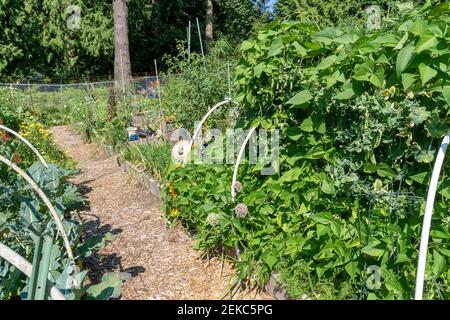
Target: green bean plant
x: 361, y: 114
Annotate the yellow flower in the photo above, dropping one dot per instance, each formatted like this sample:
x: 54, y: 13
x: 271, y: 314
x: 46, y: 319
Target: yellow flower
x: 172, y: 192
x: 174, y: 213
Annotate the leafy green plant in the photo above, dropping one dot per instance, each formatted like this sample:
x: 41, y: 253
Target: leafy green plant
x: 153, y: 158
x: 22, y: 210
x: 360, y: 115
x: 193, y: 85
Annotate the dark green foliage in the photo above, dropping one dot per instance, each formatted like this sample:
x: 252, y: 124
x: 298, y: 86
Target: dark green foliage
x: 361, y: 116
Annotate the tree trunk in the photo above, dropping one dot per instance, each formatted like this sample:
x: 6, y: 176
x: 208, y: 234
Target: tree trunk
x: 122, y: 64
x: 209, y: 21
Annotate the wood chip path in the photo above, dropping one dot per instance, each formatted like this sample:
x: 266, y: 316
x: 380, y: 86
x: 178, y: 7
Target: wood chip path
x: 162, y: 262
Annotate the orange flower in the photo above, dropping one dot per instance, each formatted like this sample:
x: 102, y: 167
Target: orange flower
x: 16, y: 158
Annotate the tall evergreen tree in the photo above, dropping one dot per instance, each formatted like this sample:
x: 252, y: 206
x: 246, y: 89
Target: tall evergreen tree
x: 122, y: 63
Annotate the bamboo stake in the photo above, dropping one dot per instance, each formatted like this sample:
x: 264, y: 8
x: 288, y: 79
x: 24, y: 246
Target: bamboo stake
x: 200, y: 39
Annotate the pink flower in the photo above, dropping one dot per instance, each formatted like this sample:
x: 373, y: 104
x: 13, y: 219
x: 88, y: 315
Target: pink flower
x: 241, y: 210
x: 237, y: 186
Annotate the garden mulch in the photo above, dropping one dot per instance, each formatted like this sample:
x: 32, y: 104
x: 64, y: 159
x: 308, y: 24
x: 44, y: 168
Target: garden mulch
x: 161, y: 261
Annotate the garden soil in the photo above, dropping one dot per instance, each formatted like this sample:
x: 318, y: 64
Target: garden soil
x: 161, y: 261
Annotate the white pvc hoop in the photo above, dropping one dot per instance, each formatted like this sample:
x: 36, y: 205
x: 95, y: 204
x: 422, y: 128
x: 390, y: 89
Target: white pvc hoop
x: 238, y: 161
x: 47, y: 202
x: 426, y: 226
x: 24, y: 266
x: 27, y: 143
x: 199, y: 127
x: 235, y: 172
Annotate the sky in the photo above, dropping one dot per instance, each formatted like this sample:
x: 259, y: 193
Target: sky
x: 271, y: 3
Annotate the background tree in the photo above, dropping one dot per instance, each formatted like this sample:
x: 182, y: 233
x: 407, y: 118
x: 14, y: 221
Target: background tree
x: 122, y: 63
x: 328, y: 13
x: 209, y: 21
x: 36, y: 43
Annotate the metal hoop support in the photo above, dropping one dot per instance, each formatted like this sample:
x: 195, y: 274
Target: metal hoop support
x: 426, y: 226
x: 28, y: 143
x: 199, y: 127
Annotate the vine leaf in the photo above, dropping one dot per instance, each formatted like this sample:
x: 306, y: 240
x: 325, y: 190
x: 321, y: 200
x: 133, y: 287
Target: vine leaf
x: 426, y: 73
x: 403, y: 58
x: 300, y: 99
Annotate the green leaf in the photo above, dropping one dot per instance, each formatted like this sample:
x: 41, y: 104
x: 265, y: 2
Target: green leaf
x: 425, y: 157
x: 294, y: 133
x: 437, y: 128
x: 352, y: 268
x: 426, y: 42
x: 291, y: 175
x: 247, y: 45
x: 446, y: 94
x: 377, y: 79
x: 373, y: 252
x: 363, y: 71
x: 426, y: 73
x: 419, y: 115
x: 109, y: 287
x: 328, y: 187
x: 327, y: 62
x: 307, y: 125
x: 422, y: 178
x: 276, y: 48
x: 385, y: 171
x: 408, y: 79
x: 439, y: 264
x: 270, y: 260
x: 300, y: 99
x: 346, y: 94
x: 389, y: 40
x: 327, y: 35
x: 403, y: 58
x: 394, y: 285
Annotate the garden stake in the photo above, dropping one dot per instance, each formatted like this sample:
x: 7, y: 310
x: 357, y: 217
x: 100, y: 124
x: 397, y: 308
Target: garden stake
x: 200, y: 39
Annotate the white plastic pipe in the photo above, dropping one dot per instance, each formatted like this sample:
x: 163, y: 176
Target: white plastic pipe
x: 238, y: 161
x: 24, y: 266
x: 27, y: 143
x: 427, y: 217
x: 47, y: 202
x: 199, y: 127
